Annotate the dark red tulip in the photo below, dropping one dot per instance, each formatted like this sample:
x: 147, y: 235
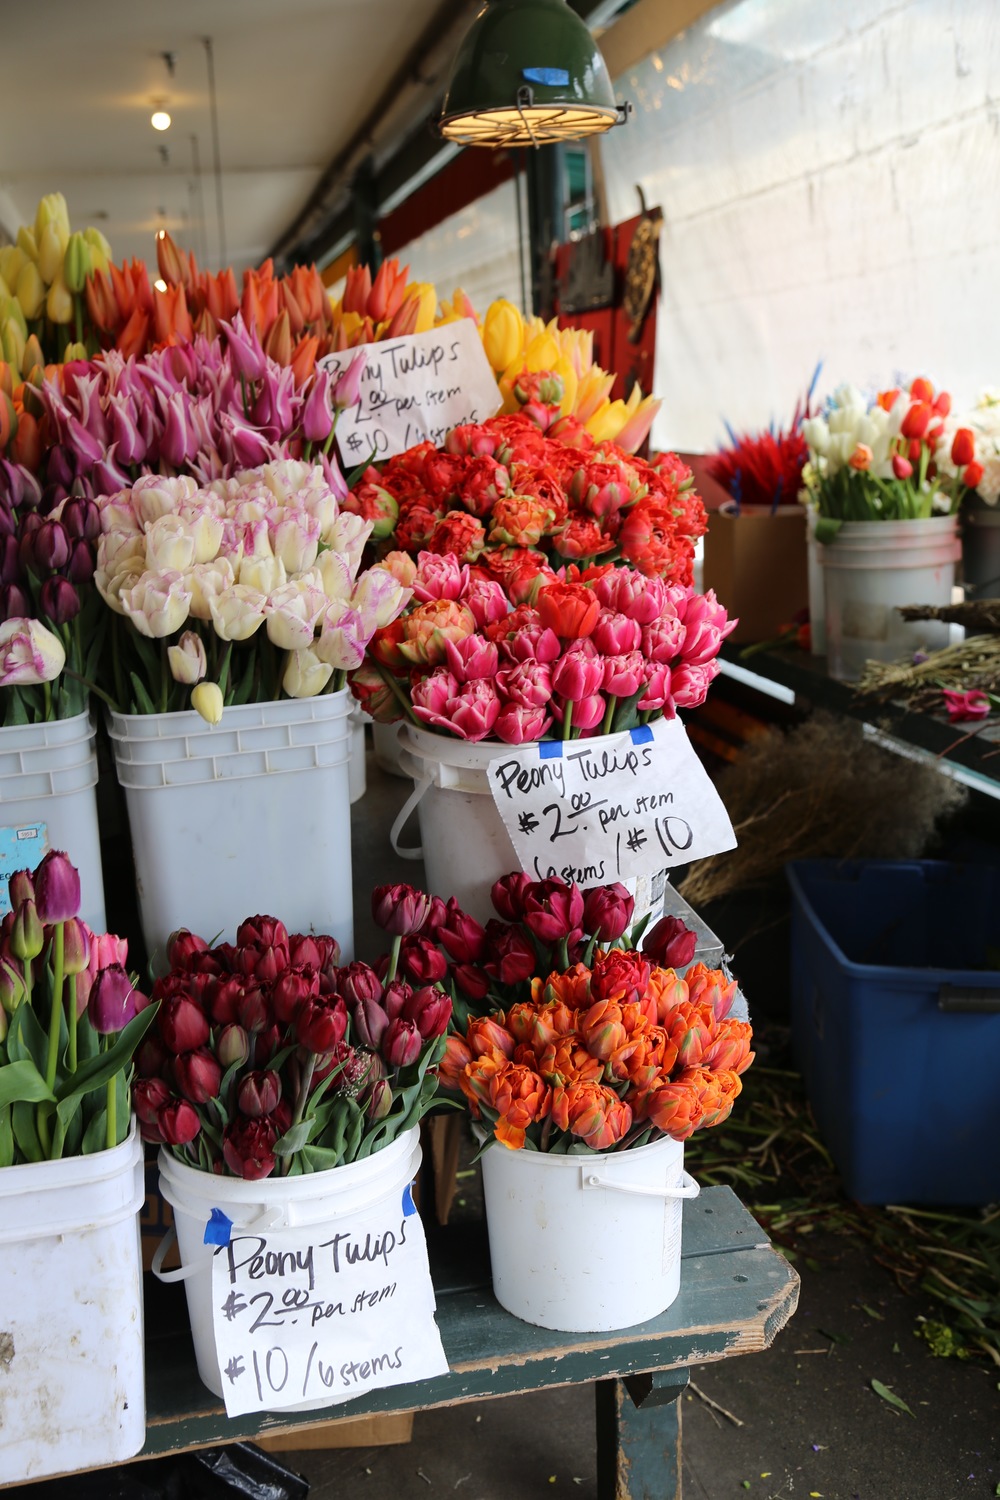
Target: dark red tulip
x: 198, y: 1075
x: 259, y: 1093
x: 248, y: 1147
x: 178, y: 1122
x: 670, y: 943
x: 607, y: 911
x: 402, y: 1043
x: 400, y: 909
x: 183, y: 1025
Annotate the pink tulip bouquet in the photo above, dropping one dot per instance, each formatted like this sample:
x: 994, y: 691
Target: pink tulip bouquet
x: 239, y: 590
x: 546, y: 657
x: 70, y: 1021
x: 268, y: 1057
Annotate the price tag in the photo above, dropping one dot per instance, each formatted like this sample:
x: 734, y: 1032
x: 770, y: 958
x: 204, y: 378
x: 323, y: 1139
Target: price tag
x: 616, y: 808
x: 20, y: 849
x: 305, y: 1319
x: 414, y: 389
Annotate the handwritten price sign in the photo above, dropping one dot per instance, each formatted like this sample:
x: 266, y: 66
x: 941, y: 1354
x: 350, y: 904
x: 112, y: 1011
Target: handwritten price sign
x: 611, y: 809
x: 414, y: 389
x: 305, y: 1320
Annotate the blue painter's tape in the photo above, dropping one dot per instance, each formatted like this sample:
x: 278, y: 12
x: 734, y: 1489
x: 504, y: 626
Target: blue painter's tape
x: 547, y: 749
x: 553, y: 78
x: 642, y: 735
x: 409, y: 1207
x: 219, y: 1229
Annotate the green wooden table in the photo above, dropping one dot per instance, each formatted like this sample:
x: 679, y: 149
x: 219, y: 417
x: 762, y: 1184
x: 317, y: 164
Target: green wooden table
x: 736, y: 1294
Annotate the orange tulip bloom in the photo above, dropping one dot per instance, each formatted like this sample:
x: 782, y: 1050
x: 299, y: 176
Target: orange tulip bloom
x: 26, y: 443
x: 304, y: 359
x: 259, y: 303
x: 520, y: 1097
x: 134, y: 337
x: 404, y: 319
x: 290, y: 304
x: 477, y: 1080
x: 730, y: 1052
x: 593, y: 1113
x: 429, y: 626
x: 711, y: 987
x: 388, y: 290
x: 221, y: 296
x: 357, y: 290
x: 487, y: 1038
x: 102, y: 304
x: 601, y: 1029
x: 174, y: 266
x: 456, y: 1059
x: 571, y: 987
x: 171, y: 318
x: 278, y: 344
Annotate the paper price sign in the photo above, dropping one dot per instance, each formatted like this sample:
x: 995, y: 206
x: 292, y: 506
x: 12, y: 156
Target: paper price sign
x: 312, y: 1316
x: 415, y: 389
x: 612, y: 808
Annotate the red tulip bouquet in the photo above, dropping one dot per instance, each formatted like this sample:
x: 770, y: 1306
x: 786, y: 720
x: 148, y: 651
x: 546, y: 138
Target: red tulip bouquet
x: 585, y: 1043
x: 269, y: 1057
x: 70, y: 1021
x: 540, y: 656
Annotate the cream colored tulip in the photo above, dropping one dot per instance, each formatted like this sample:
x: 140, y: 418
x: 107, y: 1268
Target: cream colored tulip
x: 170, y: 545
x: 238, y: 613
x: 305, y: 675
x: 207, y: 699
x: 158, y: 604
x: 188, y: 662
x: 292, y: 614
x: 208, y: 581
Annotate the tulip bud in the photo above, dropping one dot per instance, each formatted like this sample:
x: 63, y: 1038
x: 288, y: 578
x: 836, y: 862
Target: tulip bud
x: 100, y: 250
x: 503, y: 333
x: 670, y: 943
x: 369, y: 1022
x: 178, y: 1123
x: 12, y: 337
x: 11, y: 986
x: 400, y: 909
x: 76, y: 946
x: 198, y: 1075
x: 59, y: 600
x: 402, y: 1043
x: 430, y: 1011
x: 149, y: 1095
x: 59, y: 302
x: 51, y: 209
x: 20, y: 887
x: 607, y: 911
x: 183, y: 1025
x: 380, y: 1102
x: 321, y: 1024
x: 113, y: 1002
x: 51, y: 249
x: 207, y: 699
x: 233, y: 1046
x: 74, y: 352
x: 57, y: 888
x: 26, y: 243
x: 188, y: 662
x: 259, y: 1093
x: 33, y: 357
x: 30, y: 290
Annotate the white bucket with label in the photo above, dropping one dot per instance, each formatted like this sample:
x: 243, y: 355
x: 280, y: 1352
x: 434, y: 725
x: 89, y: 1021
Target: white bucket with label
x: 588, y: 1243
x: 464, y: 844
x: 252, y: 816
x: 72, y: 1378
x: 872, y: 567
x: 314, y: 1200
x: 48, y: 800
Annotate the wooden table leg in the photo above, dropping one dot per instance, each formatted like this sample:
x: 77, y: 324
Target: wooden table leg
x: 639, y: 1436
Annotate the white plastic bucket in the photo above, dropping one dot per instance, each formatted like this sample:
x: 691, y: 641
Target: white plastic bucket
x: 385, y: 743
x: 870, y: 568
x: 72, y: 1380
x: 587, y: 1243
x: 464, y: 844
x: 980, y: 524
x: 48, y: 776
x: 251, y: 817
x: 817, y: 586
x: 317, y: 1199
x: 358, y: 773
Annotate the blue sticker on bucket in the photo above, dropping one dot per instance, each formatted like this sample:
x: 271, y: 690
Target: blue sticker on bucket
x: 409, y: 1207
x: 549, y: 748
x: 219, y: 1229
x: 552, y: 78
x: 20, y: 849
x: 642, y: 735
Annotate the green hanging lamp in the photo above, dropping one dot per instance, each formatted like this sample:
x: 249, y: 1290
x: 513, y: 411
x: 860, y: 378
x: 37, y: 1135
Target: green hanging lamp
x: 528, y: 73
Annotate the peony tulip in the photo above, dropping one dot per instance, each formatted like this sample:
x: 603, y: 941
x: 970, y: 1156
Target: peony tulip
x: 198, y: 1075
x: 248, y: 1147
x: 188, y: 662
x: 305, y: 675
x: 670, y: 943
x: 178, y: 1123
x: 28, y: 653
x: 399, y: 909
x: 237, y: 612
x: 607, y: 911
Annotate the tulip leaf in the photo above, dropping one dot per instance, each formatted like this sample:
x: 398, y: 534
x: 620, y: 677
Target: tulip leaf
x: 143, y: 702
x: 295, y: 1138
x: 826, y: 529
x: 626, y: 716
x: 245, y: 688
x: 319, y: 1158
x: 26, y: 1132
x: 6, y: 1138
x: 891, y: 1397
x: 21, y: 1081
x: 95, y: 1137
x: 97, y: 1070
x: 26, y: 1039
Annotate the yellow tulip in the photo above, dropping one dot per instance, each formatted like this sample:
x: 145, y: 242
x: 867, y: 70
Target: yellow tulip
x: 32, y: 356
x: 76, y: 267
x: 207, y: 699
x: 11, y: 260
x: 51, y: 210
x: 563, y: 367
x: 51, y: 249
x: 5, y: 290
x: 349, y: 321
x: 541, y: 353
x: 100, y: 251
x: 12, y: 309
x: 426, y: 293
x: 12, y: 340
x: 503, y: 334
x: 592, y: 392
x: 27, y: 243
x: 74, y: 351
x: 607, y: 421
x: 636, y: 429
x: 59, y: 302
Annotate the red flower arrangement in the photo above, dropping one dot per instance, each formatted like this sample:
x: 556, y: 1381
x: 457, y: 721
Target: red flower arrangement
x: 507, y: 495
x: 592, y: 652
x: 267, y: 1055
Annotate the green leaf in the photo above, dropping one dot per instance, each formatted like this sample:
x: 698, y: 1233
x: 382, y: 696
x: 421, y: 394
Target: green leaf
x: 245, y: 688
x: 143, y: 702
x: 319, y: 1158
x: 6, y: 1138
x: 21, y: 1081
x: 26, y: 1039
x: 625, y: 715
x: 97, y: 1070
x: 826, y: 529
x: 95, y: 1137
x: 891, y: 1397
x: 26, y: 1132
x: 294, y: 1138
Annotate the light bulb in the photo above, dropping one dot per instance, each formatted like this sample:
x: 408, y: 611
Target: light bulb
x: 160, y: 284
x: 160, y: 120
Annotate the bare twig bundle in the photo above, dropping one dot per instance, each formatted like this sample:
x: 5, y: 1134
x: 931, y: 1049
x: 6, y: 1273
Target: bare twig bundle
x: 970, y: 664
x: 820, y: 791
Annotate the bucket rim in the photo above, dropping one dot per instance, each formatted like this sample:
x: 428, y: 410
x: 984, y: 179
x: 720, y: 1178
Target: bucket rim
x: 72, y: 1171
x: 283, y: 708
x: 561, y: 1159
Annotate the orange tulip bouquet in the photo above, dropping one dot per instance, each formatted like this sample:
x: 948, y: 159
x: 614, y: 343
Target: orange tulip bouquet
x: 570, y: 1038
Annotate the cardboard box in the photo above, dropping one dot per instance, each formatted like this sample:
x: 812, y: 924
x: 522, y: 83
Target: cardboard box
x: 756, y: 561
x: 354, y: 1432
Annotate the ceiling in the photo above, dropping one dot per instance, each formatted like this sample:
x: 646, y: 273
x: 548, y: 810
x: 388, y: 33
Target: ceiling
x: 296, y: 81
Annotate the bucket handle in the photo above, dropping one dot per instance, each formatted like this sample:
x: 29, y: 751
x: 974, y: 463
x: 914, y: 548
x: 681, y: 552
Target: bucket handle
x: 268, y: 1219
x: 594, y: 1176
x: 415, y: 852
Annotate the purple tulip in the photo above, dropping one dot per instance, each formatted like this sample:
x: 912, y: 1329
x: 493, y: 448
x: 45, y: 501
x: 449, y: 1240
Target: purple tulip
x: 14, y: 602
x: 113, y: 1002
x: 247, y: 357
x: 248, y: 446
x: 333, y: 476
x: 347, y: 391
x: 80, y: 568
x: 125, y: 430
x: 51, y: 546
x: 10, y: 562
x: 59, y: 600
x: 57, y: 888
x: 178, y: 443
x: 60, y: 468
x: 317, y: 414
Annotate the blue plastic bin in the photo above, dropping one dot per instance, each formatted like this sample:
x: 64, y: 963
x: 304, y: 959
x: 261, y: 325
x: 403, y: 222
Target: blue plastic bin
x: 896, y: 1024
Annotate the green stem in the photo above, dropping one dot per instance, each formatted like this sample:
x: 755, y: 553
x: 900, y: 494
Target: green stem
x: 305, y: 1084
x: 165, y: 675
x: 391, y: 682
x: 393, y: 959
x: 567, y: 724
x: 47, y: 689
x: 58, y: 959
x: 112, y: 1112
x: 609, y: 714
x: 71, y: 1019
x: 92, y: 687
